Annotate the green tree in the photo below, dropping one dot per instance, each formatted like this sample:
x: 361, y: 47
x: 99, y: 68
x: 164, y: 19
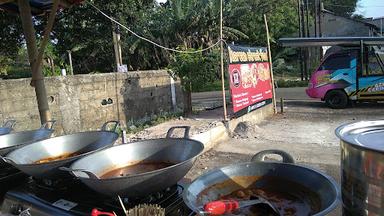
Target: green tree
x: 10, y: 34
x: 341, y: 7
x: 10, y: 40
x: 194, y: 24
x: 247, y: 17
x: 194, y: 70
x: 89, y: 33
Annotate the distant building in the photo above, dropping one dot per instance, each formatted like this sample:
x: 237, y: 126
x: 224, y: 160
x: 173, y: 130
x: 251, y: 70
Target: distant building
x: 333, y: 25
x: 379, y: 23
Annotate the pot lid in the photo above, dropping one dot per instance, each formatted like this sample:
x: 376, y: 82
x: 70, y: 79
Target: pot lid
x: 364, y: 134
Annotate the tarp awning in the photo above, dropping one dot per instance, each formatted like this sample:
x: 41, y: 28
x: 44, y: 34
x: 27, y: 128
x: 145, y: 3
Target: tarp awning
x: 37, y: 6
x: 330, y: 41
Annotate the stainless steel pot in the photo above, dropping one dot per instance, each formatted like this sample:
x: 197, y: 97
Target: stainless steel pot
x: 7, y: 127
x: 182, y: 152
x: 362, y: 167
x: 77, y: 145
x: 9, y: 142
x: 282, y: 177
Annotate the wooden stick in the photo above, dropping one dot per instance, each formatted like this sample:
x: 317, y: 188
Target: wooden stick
x: 281, y: 105
x: 222, y: 62
x: 47, y: 31
x: 37, y: 75
x: 270, y: 65
x: 122, y: 205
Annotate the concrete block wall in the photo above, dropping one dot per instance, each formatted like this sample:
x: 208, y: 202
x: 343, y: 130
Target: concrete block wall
x: 76, y: 101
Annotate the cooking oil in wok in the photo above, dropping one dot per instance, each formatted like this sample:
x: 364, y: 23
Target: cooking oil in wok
x: 137, y: 168
x: 290, y: 198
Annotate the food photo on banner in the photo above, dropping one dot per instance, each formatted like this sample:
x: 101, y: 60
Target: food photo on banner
x: 250, y: 78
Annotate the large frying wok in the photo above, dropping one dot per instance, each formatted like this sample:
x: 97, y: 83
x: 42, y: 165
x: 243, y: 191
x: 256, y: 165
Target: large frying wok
x: 7, y: 127
x: 258, y: 174
x: 182, y: 152
x: 9, y: 142
x: 74, y: 146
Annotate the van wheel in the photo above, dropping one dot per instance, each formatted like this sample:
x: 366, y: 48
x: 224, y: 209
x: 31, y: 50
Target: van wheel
x: 336, y: 99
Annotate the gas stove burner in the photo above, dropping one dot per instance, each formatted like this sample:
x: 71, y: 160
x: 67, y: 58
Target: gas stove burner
x: 7, y: 171
x: 53, y: 184
x: 10, y: 177
x: 155, y: 198
x: 39, y: 197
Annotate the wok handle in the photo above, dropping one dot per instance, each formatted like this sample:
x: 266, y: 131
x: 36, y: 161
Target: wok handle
x: 8, y: 160
x: 105, y: 126
x: 91, y: 175
x: 9, y: 123
x: 48, y: 125
x: 186, y: 131
x: 221, y: 207
x: 96, y: 212
x: 259, y: 157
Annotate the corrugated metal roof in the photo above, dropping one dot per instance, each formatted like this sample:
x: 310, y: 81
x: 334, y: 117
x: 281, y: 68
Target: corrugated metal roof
x: 330, y: 41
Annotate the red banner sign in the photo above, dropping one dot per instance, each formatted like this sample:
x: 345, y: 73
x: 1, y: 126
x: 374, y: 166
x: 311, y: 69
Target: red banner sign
x: 250, y: 83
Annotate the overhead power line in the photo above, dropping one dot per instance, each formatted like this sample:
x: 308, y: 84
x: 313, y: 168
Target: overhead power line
x: 148, y: 40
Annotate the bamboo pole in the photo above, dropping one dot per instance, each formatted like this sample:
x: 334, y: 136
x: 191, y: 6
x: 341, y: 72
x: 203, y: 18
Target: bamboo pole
x: 222, y: 62
x: 35, y: 56
x: 47, y: 31
x: 118, y: 42
x: 70, y: 61
x: 270, y: 64
x: 114, y: 37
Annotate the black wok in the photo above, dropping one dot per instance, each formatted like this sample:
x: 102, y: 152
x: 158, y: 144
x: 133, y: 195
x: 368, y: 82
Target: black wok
x: 10, y: 142
x: 74, y: 146
x: 181, y: 152
x: 317, y: 190
x: 7, y: 127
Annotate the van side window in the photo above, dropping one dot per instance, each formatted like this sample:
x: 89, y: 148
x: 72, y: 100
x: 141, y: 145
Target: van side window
x: 374, y: 62
x: 336, y: 62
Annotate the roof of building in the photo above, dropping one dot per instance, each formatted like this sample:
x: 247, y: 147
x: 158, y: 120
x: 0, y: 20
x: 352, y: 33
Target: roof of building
x: 330, y: 41
x: 37, y: 6
x: 350, y: 18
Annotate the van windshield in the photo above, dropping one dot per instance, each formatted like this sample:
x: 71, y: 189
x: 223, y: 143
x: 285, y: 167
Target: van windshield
x: 336, y: 62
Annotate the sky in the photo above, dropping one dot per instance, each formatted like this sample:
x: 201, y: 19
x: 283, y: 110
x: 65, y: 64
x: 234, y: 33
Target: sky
x: 371, y: 8
x: 367, y: 8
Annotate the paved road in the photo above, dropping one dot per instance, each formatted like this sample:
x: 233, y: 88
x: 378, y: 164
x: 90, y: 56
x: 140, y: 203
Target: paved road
x: 214, y: 98
x: 292, y: 93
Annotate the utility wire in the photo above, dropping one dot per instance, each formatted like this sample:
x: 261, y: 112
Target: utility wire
x: 149, y: 41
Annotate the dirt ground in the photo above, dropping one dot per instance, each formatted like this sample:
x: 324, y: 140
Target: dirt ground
x: 198, y: 123
x: 305, y: 130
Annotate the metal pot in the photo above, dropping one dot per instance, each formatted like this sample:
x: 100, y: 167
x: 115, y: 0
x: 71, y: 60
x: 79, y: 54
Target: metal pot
x: 258, y: 174
x: 80, y: 144
x: 181, y: 152
x: 362, y: 167
x: 10, y: 142
x: 7, y: 127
